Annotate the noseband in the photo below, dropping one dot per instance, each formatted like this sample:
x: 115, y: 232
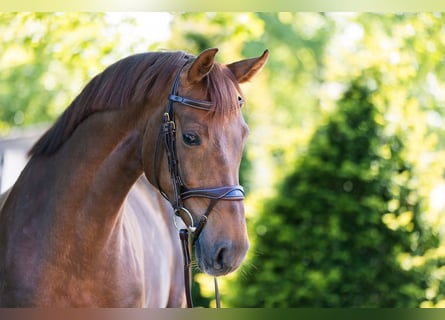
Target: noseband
x: 180, y: 191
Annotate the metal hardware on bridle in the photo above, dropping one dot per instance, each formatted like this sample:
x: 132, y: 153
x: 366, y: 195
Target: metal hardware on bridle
x: 178, y: 216
x: 180, y: 192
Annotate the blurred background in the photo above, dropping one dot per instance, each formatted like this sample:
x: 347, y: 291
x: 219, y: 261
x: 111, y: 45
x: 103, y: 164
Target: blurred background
x: 344, y: 167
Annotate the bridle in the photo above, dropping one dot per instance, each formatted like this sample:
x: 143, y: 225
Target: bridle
x: 181, y: 192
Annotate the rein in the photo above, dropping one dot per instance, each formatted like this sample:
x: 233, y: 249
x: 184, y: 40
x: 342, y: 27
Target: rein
x: 167, y: 135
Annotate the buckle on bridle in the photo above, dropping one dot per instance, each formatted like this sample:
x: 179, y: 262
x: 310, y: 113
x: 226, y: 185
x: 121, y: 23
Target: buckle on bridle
x: 169, y: 121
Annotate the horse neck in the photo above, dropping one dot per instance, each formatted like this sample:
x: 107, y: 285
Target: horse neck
x: 93, y: 172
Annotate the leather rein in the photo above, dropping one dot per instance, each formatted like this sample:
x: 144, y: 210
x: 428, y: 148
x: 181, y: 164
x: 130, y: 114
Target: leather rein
x: 167, y: 135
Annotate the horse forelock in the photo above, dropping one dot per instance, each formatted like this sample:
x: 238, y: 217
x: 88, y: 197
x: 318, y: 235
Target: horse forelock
x: 224, y: 93
x: 130, y: 81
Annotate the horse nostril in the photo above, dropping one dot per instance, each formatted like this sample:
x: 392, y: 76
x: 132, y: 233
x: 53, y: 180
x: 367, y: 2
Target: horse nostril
x: 224, y: 258
x: 219, y: 258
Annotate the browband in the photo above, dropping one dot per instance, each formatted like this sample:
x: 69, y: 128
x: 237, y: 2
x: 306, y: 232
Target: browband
x: 197, y: 104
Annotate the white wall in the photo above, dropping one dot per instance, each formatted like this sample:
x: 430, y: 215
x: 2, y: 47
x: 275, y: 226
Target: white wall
x: 13, y: 154
x: 14, y: 160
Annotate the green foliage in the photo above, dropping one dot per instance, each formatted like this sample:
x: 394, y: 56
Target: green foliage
x: 46, y: 58
x: 346, y: 145
x: 387, y: 179
x: 332, y: 235
x: 284, y: 105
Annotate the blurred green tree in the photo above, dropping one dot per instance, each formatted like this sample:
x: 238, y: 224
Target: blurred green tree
x: 333, y: 234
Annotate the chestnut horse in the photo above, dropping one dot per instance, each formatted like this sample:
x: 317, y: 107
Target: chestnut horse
x: 91, y: 219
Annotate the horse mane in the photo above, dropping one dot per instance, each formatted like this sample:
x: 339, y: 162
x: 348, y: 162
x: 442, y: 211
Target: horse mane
x: 134, y: 80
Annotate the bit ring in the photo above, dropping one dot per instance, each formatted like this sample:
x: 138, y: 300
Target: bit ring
x: 177, y: 216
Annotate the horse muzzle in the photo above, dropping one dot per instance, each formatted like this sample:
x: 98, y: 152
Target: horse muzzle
x: 221, y: 258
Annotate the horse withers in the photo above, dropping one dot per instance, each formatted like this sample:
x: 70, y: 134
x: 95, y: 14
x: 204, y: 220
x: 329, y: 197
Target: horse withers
x: 91, y: 219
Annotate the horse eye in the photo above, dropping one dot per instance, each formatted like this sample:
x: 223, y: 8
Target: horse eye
x: 191, y: 139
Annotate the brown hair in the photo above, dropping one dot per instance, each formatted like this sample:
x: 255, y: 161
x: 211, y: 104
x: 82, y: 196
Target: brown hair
x: 134, y: 80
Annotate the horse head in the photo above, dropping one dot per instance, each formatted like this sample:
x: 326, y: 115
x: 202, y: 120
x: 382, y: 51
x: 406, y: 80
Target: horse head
x: 203, y: 134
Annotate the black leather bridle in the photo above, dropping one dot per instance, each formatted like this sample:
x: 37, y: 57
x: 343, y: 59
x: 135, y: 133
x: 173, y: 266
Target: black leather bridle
x: 181, y: 192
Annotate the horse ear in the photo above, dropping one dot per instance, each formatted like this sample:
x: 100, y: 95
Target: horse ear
x: 202, y: 65
x: 244, y: 70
